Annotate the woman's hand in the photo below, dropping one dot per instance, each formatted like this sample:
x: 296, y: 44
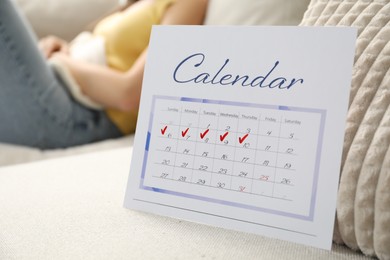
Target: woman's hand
x: 52, y: 44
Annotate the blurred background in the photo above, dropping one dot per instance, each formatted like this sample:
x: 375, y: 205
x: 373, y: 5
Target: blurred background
x: 66, y: 18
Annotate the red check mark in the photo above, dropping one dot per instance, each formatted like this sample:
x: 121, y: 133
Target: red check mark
x: 183, y: 133
x: 204, y: 133
x: 163, y: 130
x: 241, y: 139
x: 222, y: 137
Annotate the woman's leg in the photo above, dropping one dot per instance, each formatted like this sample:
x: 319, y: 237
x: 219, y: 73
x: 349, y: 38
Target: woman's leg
x: 35, y: 109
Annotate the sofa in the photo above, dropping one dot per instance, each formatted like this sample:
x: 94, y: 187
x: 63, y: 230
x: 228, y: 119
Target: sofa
x: 362, y: 226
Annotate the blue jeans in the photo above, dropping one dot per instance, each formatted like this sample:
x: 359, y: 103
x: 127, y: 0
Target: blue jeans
x: 36, y: 109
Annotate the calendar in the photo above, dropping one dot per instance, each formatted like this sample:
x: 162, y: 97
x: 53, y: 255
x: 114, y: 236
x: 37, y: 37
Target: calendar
x: 253, y: 151
x: 250, y: 149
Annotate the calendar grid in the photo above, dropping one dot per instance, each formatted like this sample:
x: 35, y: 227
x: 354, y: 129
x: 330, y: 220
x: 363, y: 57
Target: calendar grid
x: 214, y: 172
x: 249, y: 163
x: 193, y: 161
x: 234, y: 156
x: 276, y: 159
x: 215, y: 129
x: 254, y: 150
x: 292, y: 154
x: 215, y: 136
x: 205, y: 185
x: 257, y: 142
x: 174, y: 161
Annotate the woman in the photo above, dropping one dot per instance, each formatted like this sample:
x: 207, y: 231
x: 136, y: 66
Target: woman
x: 37, y: 107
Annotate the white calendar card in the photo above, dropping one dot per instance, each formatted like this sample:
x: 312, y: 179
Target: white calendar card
x: 242, y: 128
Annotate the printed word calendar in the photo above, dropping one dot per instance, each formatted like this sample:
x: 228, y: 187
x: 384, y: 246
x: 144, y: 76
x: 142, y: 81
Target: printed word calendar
x: 245, y: 135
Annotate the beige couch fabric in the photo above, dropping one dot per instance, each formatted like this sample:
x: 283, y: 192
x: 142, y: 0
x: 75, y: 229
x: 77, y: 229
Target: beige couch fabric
x: 255, y: 12
x: 15, y: 154
x: 72, y: 208
x: 64, y: 18
x: 363, y: 208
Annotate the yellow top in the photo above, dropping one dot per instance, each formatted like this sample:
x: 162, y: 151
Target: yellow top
x: 126, y: 36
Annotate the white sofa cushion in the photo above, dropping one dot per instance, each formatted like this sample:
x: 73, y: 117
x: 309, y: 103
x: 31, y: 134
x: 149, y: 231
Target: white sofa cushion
x: 15, y: 154
x: 255, y: 12
x: 71, y: 208
x: 64, y: 18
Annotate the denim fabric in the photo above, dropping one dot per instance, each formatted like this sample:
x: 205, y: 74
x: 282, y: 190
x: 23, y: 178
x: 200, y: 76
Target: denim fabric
x: 35, y: 107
